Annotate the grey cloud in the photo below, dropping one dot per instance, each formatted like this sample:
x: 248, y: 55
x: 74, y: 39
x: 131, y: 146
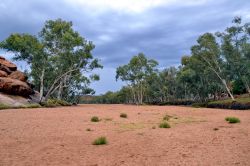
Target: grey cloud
x: 164, y: 33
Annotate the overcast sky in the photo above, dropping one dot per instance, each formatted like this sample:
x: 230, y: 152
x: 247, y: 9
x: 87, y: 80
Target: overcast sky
x: 162, y: 29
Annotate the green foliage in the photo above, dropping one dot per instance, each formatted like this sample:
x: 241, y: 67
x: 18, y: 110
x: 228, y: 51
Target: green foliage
x: 35, y: 105
x: 164, y: 125
x: 55, y: 103
x: 4, y: 106
x: 232, y: 120
x: 58, y: 58
x: 100, y: 141
x: 95, y: 119
x: 123, y: 115
x: 136, y: 73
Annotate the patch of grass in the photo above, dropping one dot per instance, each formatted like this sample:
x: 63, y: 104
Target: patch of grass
x: 108, y: 119
x: 164, y: 125
x: 132, y: 126
x: 123, y: 115
x: 32, y: 106
x: 100, y: 141
x: 167, y: 117
x: 4, y: 106
x: 242, y: 100
x: 232, y: 120
x: 95, y: 119
x: 55, y: 103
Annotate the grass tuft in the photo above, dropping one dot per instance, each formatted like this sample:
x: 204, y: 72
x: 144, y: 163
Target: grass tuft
x: 123, y: 115
x: 164, y: 125
x: 95, y: 119
x: 232, y: 120
x: 3, y: 106
x: 100, y: 141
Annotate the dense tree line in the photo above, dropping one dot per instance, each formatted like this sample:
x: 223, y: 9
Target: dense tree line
x: 218, y: 67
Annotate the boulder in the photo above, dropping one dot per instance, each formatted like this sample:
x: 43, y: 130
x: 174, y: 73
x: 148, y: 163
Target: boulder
x: 5, y: 69
x: 8, y: 64
x: 18, y: 75
x: 3, y: 74
x: 15, y: 87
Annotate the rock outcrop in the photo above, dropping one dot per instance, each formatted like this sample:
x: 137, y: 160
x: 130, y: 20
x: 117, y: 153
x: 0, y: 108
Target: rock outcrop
x: 12, y: 81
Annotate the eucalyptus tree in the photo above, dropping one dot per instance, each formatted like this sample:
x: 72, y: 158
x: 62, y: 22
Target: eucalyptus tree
x: 235, y: 48
x: 58, y: 58
x: 135, y: 74
x: 207, y: 51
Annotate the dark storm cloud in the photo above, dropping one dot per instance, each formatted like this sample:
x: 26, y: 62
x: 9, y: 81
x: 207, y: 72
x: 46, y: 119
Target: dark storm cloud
x: 164, y: 33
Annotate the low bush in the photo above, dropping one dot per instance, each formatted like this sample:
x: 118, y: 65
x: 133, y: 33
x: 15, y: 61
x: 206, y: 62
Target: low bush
x: 232, y: 120
x: 198, y: 105
x: 177, y: 102
x: 95, y: 119
x: 55, y: 103
x: 232, y: 105
x: 164, y: 125
x: 35, y: 105
x: 123, y: 115
x: 4, y: 106
x: 100, y: 141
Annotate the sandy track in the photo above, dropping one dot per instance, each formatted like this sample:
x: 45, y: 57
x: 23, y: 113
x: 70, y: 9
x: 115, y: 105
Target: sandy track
x: 58, y: 136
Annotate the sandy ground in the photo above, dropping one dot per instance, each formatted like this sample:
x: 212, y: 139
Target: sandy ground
x: 58, y: 136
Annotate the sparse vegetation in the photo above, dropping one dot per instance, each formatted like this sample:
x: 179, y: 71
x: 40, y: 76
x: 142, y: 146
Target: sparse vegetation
x: 100, y: 141
x: 3, y: 106
x: 108, y: 119
x: 95, y: 119
x: 232, y: 120
x: 167, y: 117
x: 164, y: 125
x: 33, y: 106
x: 123, y: 115
x: 55, y: 103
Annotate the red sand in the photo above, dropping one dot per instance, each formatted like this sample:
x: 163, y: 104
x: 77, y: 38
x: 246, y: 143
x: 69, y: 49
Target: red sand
x: 58, y: 136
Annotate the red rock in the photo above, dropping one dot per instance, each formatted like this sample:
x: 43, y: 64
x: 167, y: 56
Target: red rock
x: 8, y: 64
x: 15, y: 87
x: 3, y: 74
x: 18, y: 75
x: 1, y: 57
x: 6, y: 69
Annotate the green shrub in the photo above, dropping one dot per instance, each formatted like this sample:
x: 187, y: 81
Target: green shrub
x: 198, y: 105
x: 164, y: 125
x: 100, y: 141
x: 3, y: 106
x: 232, y: 120
x: 95, y: 119
x: 32, y: 106
x: 55, y: 103
x: 123, y: 115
